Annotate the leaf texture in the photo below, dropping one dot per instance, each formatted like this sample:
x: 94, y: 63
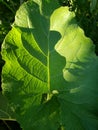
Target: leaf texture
x: 50, y: 75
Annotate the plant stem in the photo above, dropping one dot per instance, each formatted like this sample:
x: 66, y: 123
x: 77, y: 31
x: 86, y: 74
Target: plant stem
x: 7, y: 125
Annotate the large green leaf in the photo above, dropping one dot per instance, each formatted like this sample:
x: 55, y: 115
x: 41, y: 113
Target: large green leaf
x: 50, y: 76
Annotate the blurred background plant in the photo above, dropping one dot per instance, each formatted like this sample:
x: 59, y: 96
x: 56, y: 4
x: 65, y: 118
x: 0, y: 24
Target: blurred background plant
x: 7, y: 12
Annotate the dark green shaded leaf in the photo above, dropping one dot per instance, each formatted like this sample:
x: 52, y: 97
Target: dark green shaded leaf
x: 5, y: 111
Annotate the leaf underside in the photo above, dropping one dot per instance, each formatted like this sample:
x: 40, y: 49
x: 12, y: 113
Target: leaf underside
x: 50, y: 76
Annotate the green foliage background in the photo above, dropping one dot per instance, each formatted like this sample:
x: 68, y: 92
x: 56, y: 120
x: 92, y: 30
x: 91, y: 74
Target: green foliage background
x: 87, y: 17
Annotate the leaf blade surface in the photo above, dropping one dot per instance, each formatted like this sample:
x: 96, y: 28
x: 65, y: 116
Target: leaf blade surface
x: 47, y: 71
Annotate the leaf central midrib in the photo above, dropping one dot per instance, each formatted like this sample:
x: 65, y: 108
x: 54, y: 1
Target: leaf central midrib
x: 48, y: 66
